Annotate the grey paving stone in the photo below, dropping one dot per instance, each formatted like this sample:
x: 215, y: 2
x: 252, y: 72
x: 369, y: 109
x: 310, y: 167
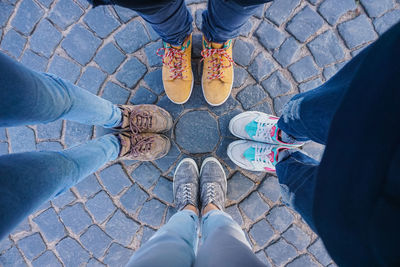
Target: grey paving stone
x: 6, y: 10
x: 101, y: 21
x: 242, y: 52
x: 234, y: 212
x: 319, y: 252
x: 304, y: 69
x: 28, y: 14
x: 64, y: 68
x: 45, y: 38
x: 3, y: 148
x: 269, y: 36
x: 65, y: 13
x: 92, y: 79
x: 357, y: 31
x: 133, y: 199
x: 281, y: 252
x: 303, y: 260
x: 240, y: 76
x: 230, y: 104
x: 46, y: 3
x: 172, y: 108
x: 288, y: 52
x: 109, y: 58
x: 77, y: 133
x: 280, y: 218
x: 143, y: 96
x: 12, y: 258
x: 152, y: 33
x: 47, y: 259
x: 88, y: 186
x: 121, y: 228
x: 64, y: 199
x: 13, y: 43
x: 245, y: 30
x: 199, y: 126
x: 314, y: 2
x: 163, y: 190
x: 75, y: 218
x: 95, y: 240
x: 239, y: 186
x: 114, y: 179
x: 306, y: 23
x: 5, y: 243
x: 22, y: 226
x: 280, y: 10
x: 332, y: 10
x: 223, y: 122
x: 326, y: 49
x: 32, y: 245
x: 259, y: 12
x: 22, y: 139
x: 263, y: 107
x: 198, y: 18
x: 329, y: 72
x: 253, y: 206
x: 93, y: 262
x: 377, y: 8
x: 81, y: 44
x: 51, y: 130
x: 3, y: 136
x: 196, y: 99
x: 117, y: 256
x: 152, y: 58
x: 152, y: 212
x: 251, y: 95
x: 297, y: 237
x: 125, y: 14
x: 221, y: 152
x: 154, y: 80
x: 100, y: 206
x: 115, y: 93
x: 132, y: 71
x: 50, y: 225
x: 263, y: 258
x: 146, y: 174
x: 147, y: 233
x: 34, y: 61
x: 280, y: 102
x: 167, y: 161
x: 170, y: 212
x: 276, y: 84
x: 261, y: 67
x: 261, y: 232
x: 310, y: 85
x: 71, y: 253
x: 270, y: 188
x: 386, y: 21
x: 124, y: 37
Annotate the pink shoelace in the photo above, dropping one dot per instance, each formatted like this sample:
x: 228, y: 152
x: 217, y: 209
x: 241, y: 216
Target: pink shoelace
x: 174, y: 59
x: 216, y: 71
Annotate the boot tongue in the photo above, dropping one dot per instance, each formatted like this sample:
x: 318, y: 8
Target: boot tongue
x: 217, y: 45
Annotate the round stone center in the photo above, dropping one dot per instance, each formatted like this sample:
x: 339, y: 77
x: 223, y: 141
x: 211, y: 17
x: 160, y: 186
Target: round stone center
x: 197, y: 132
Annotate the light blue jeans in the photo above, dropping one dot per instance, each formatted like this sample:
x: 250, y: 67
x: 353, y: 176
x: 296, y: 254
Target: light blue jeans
x: 27, y: 180
x: 222, y: 243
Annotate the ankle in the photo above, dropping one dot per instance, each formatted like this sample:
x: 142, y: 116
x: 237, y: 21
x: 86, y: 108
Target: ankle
x: 209, y: 208
x: 192, y: 208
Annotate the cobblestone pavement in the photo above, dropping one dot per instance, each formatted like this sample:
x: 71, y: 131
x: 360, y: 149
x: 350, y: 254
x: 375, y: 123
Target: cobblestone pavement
x: 289, y: 46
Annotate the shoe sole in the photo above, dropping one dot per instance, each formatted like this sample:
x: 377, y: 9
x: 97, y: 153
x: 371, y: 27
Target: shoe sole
x: 219, y: 164
x: 180, y: 163
x: 230, y: 91
x: 187, y: 99
x: 239, y: 116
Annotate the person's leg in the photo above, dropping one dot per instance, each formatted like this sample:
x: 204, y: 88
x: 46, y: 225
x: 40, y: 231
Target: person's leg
x: 297, y: 178
x: 27, y: 180
x: 173, y: 245
x: 308, y: 115
x: 224, y: 243
x: 29, y: 97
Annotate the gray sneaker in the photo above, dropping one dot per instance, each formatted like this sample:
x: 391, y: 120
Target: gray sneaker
x: 213, y: 183
x: 186, y: 184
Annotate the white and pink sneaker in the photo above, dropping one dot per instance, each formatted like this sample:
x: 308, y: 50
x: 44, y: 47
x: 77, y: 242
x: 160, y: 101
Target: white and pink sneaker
x: 260, y: 127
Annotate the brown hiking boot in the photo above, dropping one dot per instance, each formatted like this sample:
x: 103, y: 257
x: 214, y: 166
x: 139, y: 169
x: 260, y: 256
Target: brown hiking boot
x: 145, y: 118
x: 143, y: 147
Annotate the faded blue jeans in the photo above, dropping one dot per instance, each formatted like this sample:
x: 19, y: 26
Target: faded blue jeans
x: 172, y: 20
x: 222, y: 243
x: 308, y: 116
x: 27, y: 180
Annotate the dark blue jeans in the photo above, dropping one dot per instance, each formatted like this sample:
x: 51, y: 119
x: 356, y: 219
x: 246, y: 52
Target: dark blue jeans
x: 27, y: 180
x: 308, y: 116
x: 172, y: 20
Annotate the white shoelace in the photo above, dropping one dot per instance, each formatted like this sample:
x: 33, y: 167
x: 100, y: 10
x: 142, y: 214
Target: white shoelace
x: 262, y: 155
x: 263, y: 128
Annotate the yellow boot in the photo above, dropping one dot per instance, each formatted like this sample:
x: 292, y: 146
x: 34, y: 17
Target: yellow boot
x: 177, y: 72
x: 217, y: 78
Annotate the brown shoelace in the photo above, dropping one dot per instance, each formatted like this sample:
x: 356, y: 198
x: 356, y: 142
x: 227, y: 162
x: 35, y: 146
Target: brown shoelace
x: 143, y: 121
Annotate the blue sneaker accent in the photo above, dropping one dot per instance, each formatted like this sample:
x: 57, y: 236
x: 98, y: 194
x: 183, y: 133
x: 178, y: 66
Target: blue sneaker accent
x: 250, y: 153
x: 251, y: 129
